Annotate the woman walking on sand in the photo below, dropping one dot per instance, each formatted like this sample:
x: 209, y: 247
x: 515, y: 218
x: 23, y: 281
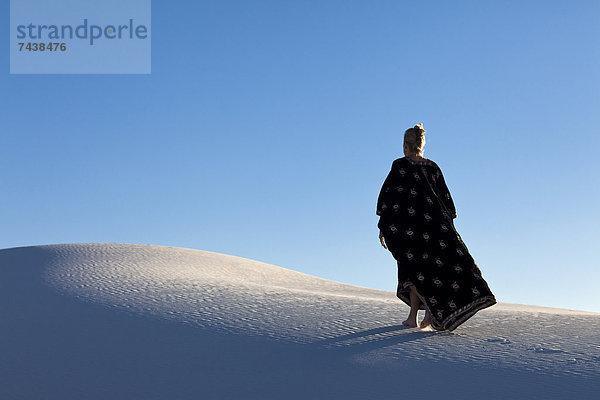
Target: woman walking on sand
x: 436, y: 273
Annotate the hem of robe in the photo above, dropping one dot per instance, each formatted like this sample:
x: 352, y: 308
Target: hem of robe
x: 455, y: 319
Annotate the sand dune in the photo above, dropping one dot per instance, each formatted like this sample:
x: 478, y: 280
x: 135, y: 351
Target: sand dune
x: 122, y: 321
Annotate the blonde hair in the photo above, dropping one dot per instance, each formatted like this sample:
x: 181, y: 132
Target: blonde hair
x: 415, y: 139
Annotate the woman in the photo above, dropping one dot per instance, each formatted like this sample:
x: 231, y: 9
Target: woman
x: 436, y: 273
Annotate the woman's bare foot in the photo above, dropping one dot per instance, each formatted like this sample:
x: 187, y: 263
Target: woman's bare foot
x: 414, y: 308
x: 426, y: 321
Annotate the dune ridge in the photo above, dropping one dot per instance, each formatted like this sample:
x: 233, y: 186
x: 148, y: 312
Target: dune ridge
x: 294, y: 331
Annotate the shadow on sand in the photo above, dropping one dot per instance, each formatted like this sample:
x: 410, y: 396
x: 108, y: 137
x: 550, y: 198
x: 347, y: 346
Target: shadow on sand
x: 373, y: 339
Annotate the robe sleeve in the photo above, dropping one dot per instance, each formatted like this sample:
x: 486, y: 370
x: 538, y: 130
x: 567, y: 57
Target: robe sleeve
x: 382, y: 206
x: 444, y: 194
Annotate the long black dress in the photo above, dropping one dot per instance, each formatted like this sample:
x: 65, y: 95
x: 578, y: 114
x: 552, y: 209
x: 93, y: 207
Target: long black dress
x: 416, y: 219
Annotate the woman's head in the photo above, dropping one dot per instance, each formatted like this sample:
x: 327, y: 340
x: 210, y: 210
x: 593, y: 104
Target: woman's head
x: 414, y: 140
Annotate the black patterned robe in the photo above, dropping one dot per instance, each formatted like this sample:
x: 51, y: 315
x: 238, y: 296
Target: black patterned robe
x: 416, y: 219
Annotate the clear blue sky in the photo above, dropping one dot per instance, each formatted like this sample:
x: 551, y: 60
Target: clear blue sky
x: 266, y: 129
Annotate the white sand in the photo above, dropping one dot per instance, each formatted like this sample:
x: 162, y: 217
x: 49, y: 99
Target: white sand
x: 121, y: 321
